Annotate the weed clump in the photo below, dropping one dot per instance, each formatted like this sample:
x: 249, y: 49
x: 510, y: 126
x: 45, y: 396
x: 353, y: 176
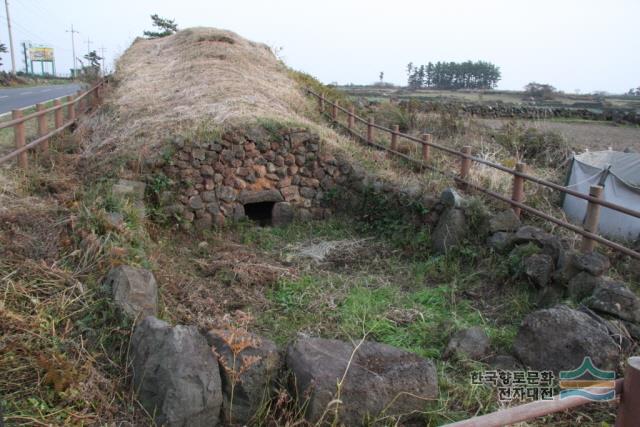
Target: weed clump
x: 537, y: 147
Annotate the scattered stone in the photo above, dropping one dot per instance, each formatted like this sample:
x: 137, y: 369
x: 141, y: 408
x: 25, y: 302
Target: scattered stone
x: 582, y: 285
x: 450, y: 231
x: 175, y: 374
x: 253, y: 368
x: 504, y: 221
x: 593, y: 263
x: 379, y: 378
x: 451, y: 198
x: 282, y: 214
x: 472, y: 343
x: 549, y: 296
x: 559, y: 338
x: 133, y: 190
x: 134, y: 291
x: 115, y: 219
x: 500, y: 241
x: 504, y: 362
x: 539, y: 268
x: 616, y: 299
x: 527, y: 234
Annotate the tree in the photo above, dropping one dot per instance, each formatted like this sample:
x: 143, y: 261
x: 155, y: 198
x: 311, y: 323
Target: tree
x: 453, y: 75
x: 93, y: 58
x: 3, y: 49
x: 381, y: 76
x: 165, y: 26
x: 632, y: 91
x: 540, y: 90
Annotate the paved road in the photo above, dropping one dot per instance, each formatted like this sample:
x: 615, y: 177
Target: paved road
x: 13, y: 98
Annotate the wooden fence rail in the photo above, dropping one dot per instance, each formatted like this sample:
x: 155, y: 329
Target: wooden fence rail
x: 74, y: 104
x: 594, y: 198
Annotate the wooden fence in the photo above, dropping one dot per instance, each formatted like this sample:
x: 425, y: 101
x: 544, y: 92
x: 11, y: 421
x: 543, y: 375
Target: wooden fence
x: 73, y: 105
x: 519, y: 177
x: 628, y: 389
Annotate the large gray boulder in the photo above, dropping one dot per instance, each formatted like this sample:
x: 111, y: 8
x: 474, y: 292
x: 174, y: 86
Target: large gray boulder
x: 593, y: 263
x: 615, y: 299
x: 175, y: 374
x: 282, y: 214
x: 249, y: 367
x: 506, y: 220
x: 539, y: 268
x: 582, y: 285
x: 450, y: 198
x: 450, y: 231
x: 472, y: 343
x: 559, y: 338
x: 134, y: 291
x: 380, y: 380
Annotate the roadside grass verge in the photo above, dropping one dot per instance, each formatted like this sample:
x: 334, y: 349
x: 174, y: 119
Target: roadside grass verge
x: 64, y: 347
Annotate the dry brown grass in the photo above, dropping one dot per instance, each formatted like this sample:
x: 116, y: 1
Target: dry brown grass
x: 200, y: 73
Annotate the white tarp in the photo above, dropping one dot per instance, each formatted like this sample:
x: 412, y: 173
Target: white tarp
x: 621, y: 174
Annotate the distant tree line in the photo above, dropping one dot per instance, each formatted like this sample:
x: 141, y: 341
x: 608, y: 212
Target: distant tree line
x: 454, y: 75
x: 634, y: 92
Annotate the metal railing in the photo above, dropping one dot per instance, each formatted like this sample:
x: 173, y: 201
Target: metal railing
x: 74, y: 104
x: 594, y: 198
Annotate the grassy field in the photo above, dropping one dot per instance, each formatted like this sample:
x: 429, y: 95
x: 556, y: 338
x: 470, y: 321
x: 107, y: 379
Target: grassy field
x: 485, y: 96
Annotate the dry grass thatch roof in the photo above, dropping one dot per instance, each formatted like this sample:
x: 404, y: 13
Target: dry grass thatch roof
x: 194, y: 75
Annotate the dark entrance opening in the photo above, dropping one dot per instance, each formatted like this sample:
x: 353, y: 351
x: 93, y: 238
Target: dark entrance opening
x: 260, y: 212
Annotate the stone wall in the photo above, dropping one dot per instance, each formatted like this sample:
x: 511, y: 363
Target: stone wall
x: 499, y: 110
x: 212, y: 179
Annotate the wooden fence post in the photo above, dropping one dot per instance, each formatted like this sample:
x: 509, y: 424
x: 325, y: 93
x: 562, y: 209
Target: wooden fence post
x: 42, y: 127
x: 71, y: 108
x: 517, y: 195
x: 334, y: 111
x: 321, y: 102
x: 351, y: 121
x: 629, y: 409
x: 81, y: 104
x: 19, y: 138
x: 591, y: 219
x: 394, y: 137
x: 59, y: 114
x: 370, y: 130
x: 426, y: 148
x: 465, y: 164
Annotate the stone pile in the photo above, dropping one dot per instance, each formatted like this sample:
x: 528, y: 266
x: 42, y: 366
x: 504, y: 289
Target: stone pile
x: 184, y: 377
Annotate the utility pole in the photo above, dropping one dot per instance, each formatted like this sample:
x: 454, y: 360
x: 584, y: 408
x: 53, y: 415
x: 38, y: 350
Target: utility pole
x: 89, y: 43
x: 73, y: 49
x: 13, y: 54
x: 26, y: 59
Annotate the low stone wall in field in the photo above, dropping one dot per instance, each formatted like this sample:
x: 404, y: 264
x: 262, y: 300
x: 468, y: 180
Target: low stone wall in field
x: 625, y: 116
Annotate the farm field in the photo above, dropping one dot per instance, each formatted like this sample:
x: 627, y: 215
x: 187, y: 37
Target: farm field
x: 582, y: 134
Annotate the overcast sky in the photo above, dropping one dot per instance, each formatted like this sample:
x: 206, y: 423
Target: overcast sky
x: 572, y: 44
